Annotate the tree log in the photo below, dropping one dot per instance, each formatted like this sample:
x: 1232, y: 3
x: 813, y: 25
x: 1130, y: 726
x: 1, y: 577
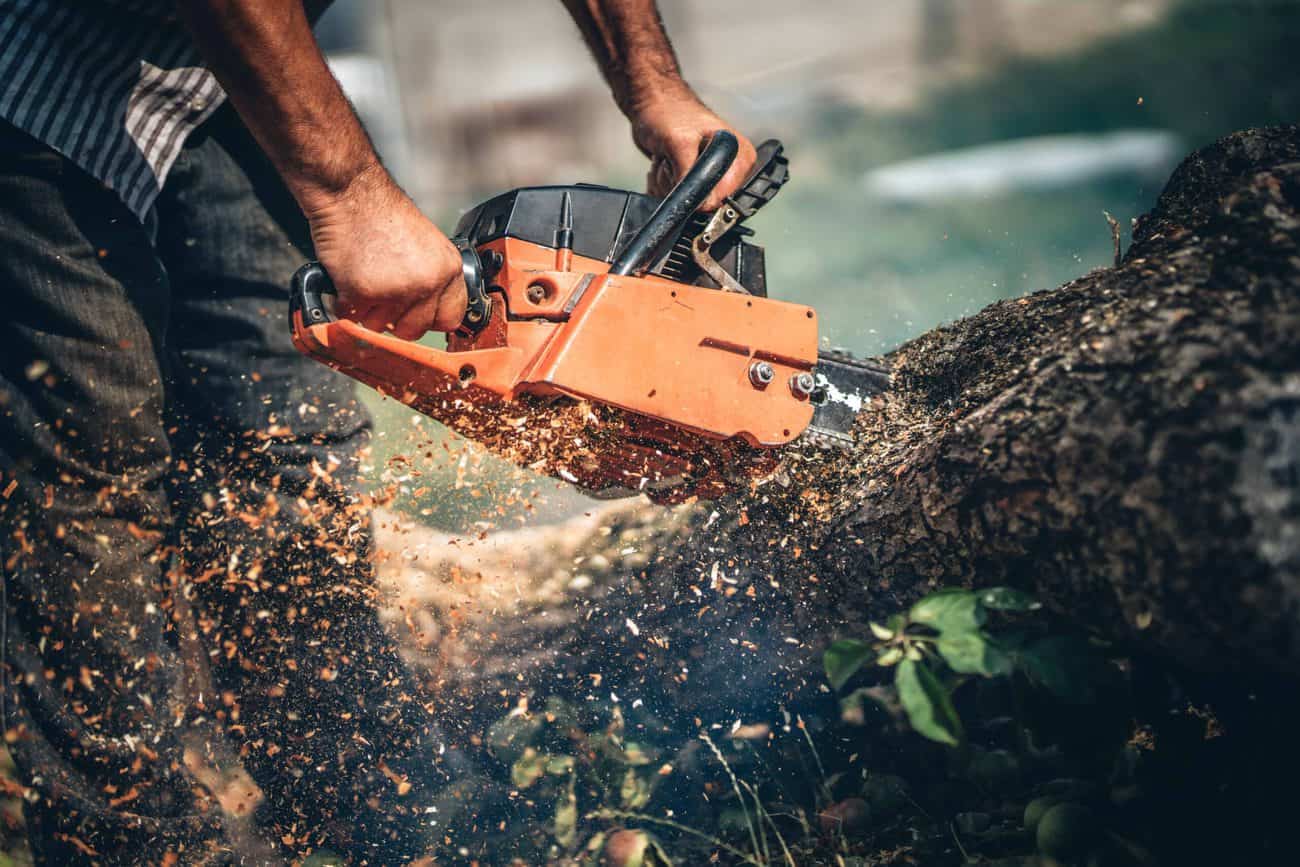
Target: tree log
x: 1126, y: 448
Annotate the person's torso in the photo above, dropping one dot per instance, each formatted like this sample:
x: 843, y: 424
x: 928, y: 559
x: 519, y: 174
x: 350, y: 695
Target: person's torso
x: 116, y: 86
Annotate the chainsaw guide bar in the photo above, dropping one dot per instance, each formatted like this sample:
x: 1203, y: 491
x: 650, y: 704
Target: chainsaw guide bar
x: 622, y: 343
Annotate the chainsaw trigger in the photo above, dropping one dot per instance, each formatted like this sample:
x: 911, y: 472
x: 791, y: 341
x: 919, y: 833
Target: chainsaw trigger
x: 724, y: 219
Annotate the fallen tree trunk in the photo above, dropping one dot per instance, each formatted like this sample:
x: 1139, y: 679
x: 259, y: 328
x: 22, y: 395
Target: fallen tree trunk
x: 1125, y: 447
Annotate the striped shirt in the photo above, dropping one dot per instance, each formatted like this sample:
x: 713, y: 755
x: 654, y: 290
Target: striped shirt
x: 116, y: 86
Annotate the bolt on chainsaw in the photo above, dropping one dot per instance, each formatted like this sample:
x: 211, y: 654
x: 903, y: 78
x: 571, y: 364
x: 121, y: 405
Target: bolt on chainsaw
x: 614, y: 340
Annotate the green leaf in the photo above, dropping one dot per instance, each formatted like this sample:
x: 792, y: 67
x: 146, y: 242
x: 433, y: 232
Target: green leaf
x: 890, y: 657
x: 566, y: 818
x: 635, y: 754
x: 528, y: 769
x: 972, y: 653
x: 510, y: 736
x: 1064, y: 666
x: 319, y: 858
x: 595, y: 843
x: 949, y: 611
x: 635, y: 791
x: 881, y: 632
x: 560, y: 713
x: 1007, y: 599
x: 558, y: 766
x: 928, y: 705
x: 844, y: 658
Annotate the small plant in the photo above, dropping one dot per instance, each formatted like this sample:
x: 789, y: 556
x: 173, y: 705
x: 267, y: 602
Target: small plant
x: 554, y: 759
x: 943, y: 640
x: 588, y: 787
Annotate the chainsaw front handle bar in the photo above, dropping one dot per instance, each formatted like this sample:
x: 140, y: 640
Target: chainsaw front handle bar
x: 312, y: 283
x: 678, y: 206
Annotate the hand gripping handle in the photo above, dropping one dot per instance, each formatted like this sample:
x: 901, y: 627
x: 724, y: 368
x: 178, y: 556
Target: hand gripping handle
x: 311, y: 283
x: 678, y: 205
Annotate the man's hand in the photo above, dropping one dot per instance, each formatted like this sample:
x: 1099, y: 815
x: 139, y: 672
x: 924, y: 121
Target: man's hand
x: 672, y: 132
x: 394, y: 270
x: 669, y: 123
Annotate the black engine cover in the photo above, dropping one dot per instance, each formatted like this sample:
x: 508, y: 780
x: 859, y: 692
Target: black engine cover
x: 603, y: 220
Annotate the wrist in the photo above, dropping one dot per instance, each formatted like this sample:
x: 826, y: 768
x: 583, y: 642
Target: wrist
x: 653, y: 93
x: 325, y: 194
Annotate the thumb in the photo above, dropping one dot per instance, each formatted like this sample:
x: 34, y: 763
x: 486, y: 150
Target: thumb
x: 452, y: 304
x: 729, y: 183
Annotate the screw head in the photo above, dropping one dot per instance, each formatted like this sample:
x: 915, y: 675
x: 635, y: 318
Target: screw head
x: 761, y: 374
x: 536, y: 293
x: 802, y: 385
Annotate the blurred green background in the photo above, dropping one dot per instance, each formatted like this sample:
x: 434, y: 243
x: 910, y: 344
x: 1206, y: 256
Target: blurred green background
x: 944, y: 154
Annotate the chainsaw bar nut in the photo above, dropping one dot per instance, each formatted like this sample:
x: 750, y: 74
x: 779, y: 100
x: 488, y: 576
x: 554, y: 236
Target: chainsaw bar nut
x: 761, y: 374
x: 802, y: 385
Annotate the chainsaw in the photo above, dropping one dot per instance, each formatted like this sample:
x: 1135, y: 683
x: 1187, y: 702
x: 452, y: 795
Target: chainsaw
x: 614, y: 340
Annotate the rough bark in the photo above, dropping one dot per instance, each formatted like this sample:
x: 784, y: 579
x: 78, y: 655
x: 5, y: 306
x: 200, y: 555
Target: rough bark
x: 1125, y: 447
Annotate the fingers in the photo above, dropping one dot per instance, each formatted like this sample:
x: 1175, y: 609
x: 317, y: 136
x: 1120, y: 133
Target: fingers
x: 378, y: 318
x: 418, y: 284
x: 730, y: 181
x: 667, y: 170
x: 372, y: 316
x: 735, y: 176
x: 417, y: 320
x: 451, y: 304
x: 662, y: 177
x: 437, y: 311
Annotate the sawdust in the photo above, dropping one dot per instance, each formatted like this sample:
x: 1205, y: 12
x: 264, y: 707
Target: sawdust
x: 598, y: 448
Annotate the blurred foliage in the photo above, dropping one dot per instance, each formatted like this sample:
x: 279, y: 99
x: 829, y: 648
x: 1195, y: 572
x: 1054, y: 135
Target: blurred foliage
x: 14, y: 851
x: 880, y: 274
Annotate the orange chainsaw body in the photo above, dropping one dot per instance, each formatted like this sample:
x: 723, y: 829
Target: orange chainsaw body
x: 674, y: 358
x: 609, y: 338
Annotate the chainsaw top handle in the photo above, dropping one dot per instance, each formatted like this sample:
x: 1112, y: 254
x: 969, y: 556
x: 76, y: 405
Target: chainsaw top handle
x: 312, y: 283
x: 677, y: 207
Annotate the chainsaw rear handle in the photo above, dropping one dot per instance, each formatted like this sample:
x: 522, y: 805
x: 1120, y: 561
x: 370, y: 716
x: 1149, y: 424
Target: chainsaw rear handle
x: 677, y: 207
x: 311, y: 283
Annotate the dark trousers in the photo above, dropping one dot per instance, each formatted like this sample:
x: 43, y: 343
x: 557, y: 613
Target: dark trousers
x: 163, y: 449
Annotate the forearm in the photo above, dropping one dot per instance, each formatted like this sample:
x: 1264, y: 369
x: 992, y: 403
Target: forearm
x: 628, y: 41
x: 265, y: 56
x: 392, y: 268
x: 669, y: 122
